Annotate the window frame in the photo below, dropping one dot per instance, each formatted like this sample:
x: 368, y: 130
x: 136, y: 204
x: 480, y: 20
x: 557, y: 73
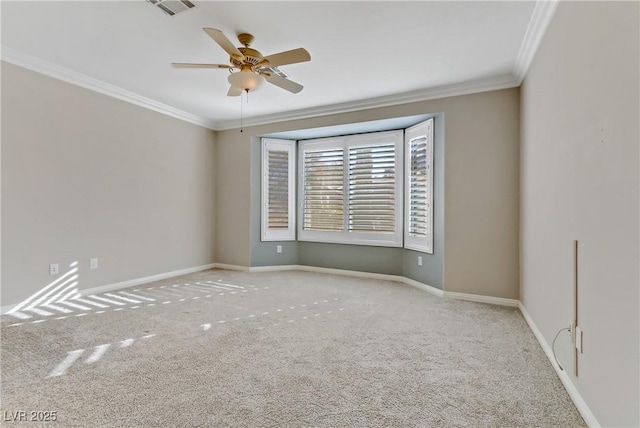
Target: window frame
x: 267, y: 234
x: 345, y: 236
x: 422, y: 129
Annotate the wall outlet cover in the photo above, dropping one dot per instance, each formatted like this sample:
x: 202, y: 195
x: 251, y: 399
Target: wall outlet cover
x: 53, y: 269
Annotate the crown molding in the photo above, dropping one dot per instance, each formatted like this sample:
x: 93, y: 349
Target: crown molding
x: 463, y: 88
x: 540, y: 19
x: 29, y: 62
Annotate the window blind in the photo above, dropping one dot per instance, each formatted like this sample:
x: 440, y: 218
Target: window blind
x: 419, y: 198
x: 372, y: 188
x: 419, y: 187
x: 323, y: 196
x: 278, y: 190
x: 351, y: 190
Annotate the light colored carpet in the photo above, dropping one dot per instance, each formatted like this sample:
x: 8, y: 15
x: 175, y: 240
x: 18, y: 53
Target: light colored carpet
x: 281, y: 349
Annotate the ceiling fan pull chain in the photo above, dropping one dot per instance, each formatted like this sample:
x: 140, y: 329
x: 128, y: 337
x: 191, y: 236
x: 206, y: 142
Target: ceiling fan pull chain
x: 241, y: 110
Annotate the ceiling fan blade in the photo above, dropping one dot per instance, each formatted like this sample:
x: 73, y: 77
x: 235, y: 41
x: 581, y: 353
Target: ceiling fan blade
x: 190, y: 65
x: 293, y: 56
x: 234, y: 92
x: 224, y: 43
x: 287, y: 84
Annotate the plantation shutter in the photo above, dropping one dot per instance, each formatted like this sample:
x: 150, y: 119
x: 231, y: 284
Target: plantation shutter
x: 419, y: 190
x: 372, y: 188
x: 278, y: 216
x: 278, y: 183
x: 323, y: 196
x: 351, y: 190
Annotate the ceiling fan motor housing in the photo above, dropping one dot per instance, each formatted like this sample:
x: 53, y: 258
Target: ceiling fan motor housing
x: 251, y: 56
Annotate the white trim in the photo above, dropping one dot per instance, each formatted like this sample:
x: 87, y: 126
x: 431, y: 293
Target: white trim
x: 275, y: 268
x: 577, y: 399
x: 481, y: 299
x: 345, y: 144
x: 289, y: 146
x: 538, y: 24
x: 372, y: 275
x: 252, y: 269
x: 354, y: 273
x: 505, y: 81
x: 272, y: 268
x: 144, y: 280
x: 344, y: 272
x: 423, y: 129
x: 428, y: 288
x: 29, y: 62
x: 232, y: 267
x: 130, y: 283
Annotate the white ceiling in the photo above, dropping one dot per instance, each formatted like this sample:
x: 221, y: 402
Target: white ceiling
x: 362, y: 53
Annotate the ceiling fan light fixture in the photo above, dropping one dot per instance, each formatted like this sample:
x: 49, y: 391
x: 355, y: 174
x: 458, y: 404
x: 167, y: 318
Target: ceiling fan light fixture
x: 246, y: 80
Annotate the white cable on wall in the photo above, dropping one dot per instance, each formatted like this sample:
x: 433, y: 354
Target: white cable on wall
x: 553, y: 345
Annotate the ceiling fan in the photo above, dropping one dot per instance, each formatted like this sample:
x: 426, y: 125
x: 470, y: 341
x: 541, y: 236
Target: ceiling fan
x: 253, y: 68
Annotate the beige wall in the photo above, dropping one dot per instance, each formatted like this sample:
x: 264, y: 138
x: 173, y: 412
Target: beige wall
x: 481, y: 187
x: 233, y: 159
x: 579, y: 165
x: 85, y: 175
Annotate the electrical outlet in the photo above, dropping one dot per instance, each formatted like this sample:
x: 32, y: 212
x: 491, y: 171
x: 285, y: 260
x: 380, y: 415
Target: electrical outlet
x: 419, y: 260
x: 279, y: 249
x: 53, y: 269
x: 93, y: 263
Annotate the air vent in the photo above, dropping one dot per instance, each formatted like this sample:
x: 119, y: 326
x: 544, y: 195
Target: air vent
x: 172, y: 7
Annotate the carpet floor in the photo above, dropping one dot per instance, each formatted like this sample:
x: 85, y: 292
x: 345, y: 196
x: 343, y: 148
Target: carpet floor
x: 281, y: 349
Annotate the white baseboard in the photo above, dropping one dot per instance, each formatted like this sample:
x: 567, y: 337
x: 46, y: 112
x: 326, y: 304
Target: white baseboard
x: 272, y: 268
x: 428, y: 288
x: 359, y: 274
x: 145, y: 279
x: 129, y: 283
x: 577, y: 399
x: 354, y: 273
x: 232, y: 267
x: 481, y: 299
